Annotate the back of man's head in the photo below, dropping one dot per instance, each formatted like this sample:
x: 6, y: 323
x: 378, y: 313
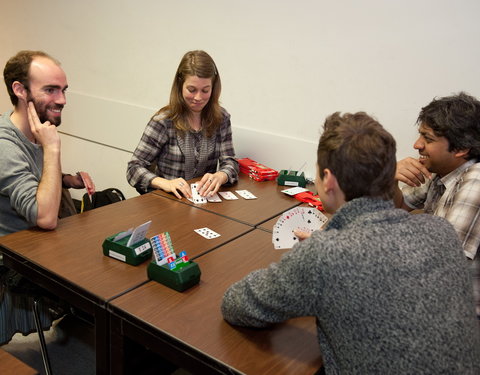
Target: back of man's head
x: 457, y: 118
x: 17, y: 68
x: 360, y: 153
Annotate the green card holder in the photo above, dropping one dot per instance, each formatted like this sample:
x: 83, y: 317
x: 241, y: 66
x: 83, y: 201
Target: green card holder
x: 291, y: 178
x: 133, y: 254
x: 182, y: 277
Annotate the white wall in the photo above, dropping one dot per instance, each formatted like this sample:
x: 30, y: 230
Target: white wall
x: 285, y: 65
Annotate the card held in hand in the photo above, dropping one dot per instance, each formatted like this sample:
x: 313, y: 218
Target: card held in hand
x: 197, y: 198
x: 305, y: 219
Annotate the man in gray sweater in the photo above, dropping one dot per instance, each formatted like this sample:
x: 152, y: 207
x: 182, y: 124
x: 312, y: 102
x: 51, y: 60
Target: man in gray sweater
x: 30, y: 170
x: 389, y: 290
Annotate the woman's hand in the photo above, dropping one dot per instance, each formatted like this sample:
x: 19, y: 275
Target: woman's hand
x: 210, y: 183
x: 177, y: 186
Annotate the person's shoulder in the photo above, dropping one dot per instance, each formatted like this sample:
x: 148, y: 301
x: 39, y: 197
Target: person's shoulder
x: 431, y: 223
x: 7, y: 131
x: 225, y: 113
x: 5, y: 123
x: 474, y: 169
x: 161, y: 119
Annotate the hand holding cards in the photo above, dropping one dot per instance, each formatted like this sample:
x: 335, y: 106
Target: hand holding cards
x: 196, y: 197
x: 306, y: 219
x: 87, y: 182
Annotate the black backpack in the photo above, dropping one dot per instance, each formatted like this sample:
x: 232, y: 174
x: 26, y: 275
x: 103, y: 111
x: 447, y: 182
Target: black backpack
x: 101, y: 198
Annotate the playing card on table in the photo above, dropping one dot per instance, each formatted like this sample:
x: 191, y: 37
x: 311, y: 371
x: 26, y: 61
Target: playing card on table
x: 228, y: 195
x: 306, y: 219
x: 294, y: 191
x: 245, y: 194
x: 207, y: 233
x: 197, y: 198
x: 214, y: 198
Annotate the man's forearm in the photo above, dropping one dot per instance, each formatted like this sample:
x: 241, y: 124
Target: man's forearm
x: 49, y: 190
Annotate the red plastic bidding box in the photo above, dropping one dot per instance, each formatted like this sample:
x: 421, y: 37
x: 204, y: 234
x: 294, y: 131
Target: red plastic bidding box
x: 310, y: 198
x: 257, y: 171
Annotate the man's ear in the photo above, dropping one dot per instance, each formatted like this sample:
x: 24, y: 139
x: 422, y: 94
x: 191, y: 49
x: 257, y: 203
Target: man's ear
x: 462, y: 153
x: 19, y: 90
x: 329, y: 180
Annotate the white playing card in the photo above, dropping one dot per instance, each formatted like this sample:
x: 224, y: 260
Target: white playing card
x: 228, y: 195
x: 197, y: 198
x: 214, y: 198
x: 139, y: 233
x: 207, y: 233
x: 245, y: 194
x: 294, y: 190
x: 306, y: 219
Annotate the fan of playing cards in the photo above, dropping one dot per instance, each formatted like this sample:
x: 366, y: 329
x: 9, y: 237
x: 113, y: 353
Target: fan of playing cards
x: 306, y: 219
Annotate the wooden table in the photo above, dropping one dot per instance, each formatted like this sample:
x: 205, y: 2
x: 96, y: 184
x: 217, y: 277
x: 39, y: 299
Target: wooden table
x: 270, y: 201
x: 188, y: 329
x: 10, y: 365
x: 69, y: 261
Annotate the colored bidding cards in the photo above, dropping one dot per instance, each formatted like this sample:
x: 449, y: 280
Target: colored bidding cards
x: 305, y: 219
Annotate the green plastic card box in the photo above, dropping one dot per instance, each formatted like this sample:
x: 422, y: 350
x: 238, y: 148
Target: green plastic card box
x: 133, y: 254
x: 183, y: 276
x: 291, y: 178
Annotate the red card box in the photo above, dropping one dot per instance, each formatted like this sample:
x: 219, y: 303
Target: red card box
x: 257, y: 171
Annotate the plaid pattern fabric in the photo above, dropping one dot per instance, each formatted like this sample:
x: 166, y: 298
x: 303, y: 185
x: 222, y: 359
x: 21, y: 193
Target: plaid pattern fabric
x: 175, y: 156
x: 459, y: 204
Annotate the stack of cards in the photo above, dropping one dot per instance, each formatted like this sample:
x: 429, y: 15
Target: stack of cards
x: 197, y: 198
x: 138, y: 233
x: 162, y: 248
x: 88, y: 183
x: 306, y: 219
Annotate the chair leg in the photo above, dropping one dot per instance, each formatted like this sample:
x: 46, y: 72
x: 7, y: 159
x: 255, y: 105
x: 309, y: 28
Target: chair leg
x: 43, y: 346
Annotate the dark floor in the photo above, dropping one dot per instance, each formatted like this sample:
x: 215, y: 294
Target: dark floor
x: 70, y: 345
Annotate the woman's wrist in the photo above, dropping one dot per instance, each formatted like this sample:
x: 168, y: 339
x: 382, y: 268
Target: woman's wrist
x: 158, y: 183
x: 226, y: 177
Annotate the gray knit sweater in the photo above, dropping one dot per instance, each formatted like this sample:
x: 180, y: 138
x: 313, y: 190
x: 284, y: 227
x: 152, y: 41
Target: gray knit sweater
x: 390, y: 291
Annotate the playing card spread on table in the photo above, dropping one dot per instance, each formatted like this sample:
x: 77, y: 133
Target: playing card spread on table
x: 214, y: 198
x: 197, y: 198
x: 228, y: 195
x: 207, y: 233
x: 306, y: 219
x: 245, y: 194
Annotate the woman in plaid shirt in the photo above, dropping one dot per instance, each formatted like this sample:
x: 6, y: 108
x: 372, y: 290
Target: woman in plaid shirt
x: 190, y: 137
